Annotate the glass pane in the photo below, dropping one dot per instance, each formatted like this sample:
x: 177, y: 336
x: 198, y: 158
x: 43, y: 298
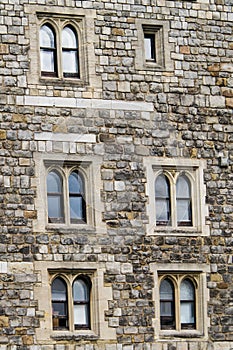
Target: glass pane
x: 162, y: 210
x: 70, y: 61
x: 59, y: 309
x: 54, y: 207
x: 182, y: 187
x: 54, y: 183
x: 186, y: 290
x: 162, y: 187
x: 58, y: 290
x: 69, y: 39
x: 183, y: 210
x: 47, y: 37
x: 47, y: 61
x: 81, y: 315
x: 76, y: 208
x: 148, y: 48
x: 80, y: 290
x: 166, y: 309
x: 166, y: 290
x: 75, y: 183
x: 187, y: 312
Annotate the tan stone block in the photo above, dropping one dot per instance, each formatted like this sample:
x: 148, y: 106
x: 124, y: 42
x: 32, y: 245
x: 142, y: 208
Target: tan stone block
x: 18, y: 118
x: 4, y: 49
x: 227, y: 92
x: 4, y: 322
x: 229, y: 102
x: 118, y: 31
x: 30, y: 214
x: 27, y: 339
x: 185, y: 50
x: 2, y: 134
x: 216, y: 277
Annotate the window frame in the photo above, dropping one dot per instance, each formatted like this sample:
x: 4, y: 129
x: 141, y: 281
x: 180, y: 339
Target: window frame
x: 172, y: 175
x: 57, y: 26
x: 172, y: 168
x: 65, y: 170
x: 69, y: 278
x: 159, y: 30
x: 157, y: 45
x: 177, y: 272
x: 100, y: 296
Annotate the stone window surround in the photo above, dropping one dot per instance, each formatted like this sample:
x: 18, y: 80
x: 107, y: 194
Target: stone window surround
x: 83, y: 21
x: 99, y: 301
x: 89, y: 166
x: 193, y: 168
x: 160, y: 28
x: 195, y: 272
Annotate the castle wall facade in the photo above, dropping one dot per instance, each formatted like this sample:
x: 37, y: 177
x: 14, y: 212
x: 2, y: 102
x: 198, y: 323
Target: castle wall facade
x: 116, y: 175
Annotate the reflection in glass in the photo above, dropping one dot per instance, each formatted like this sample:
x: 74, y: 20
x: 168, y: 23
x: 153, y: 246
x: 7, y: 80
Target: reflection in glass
x: 81, y: 296
x: 47, y: 50
x: 54, y: 197
x: 162, y: 200
x: 187, y: 304
x: 69, y: 52
x: 167, y: 307
x: 76, y: 198
x: 183, y: 201
x: 59, y: 304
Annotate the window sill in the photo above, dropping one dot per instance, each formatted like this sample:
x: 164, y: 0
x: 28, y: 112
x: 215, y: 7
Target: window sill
x: 77, y: 335
x: 62, y: 81
x: 188, y: 333
x: 68, y: 229
x: 174, y: 231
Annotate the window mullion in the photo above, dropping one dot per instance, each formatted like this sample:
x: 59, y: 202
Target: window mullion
x: 59, y: 52
x: 173, y: 204
x: 66, y: 198
x: 177, y: 302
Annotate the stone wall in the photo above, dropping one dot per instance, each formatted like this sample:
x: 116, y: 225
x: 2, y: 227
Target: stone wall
x: 125, y: 112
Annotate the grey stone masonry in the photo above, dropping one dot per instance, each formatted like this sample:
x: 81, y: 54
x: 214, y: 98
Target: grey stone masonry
x: 122, y: 121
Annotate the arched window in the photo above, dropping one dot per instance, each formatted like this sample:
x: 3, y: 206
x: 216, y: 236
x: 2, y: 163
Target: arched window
x: 162, y: 200
x: 187, y: 305
x: 59, y: 304
x: 167, y: 304
x: 183, y: 201
x: 81, y: 298
x: 76, y: 198
x: 70, y: 62
x: 55, y: 197
x: 48, y: 52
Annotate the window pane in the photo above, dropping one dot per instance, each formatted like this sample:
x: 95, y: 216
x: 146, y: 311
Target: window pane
x: 59, y: 309
x: 183, y: 210
x: 47, y: 61
x: 187, y: 290
x: 187, y: 313
x: 70, y: 61
x: 81, y: 315
x: 167, y: 305
x: 183, y: 201
x: 80, y: 290
x: 47, y: 37
x: 76, y: 200
x: 162, y: 210
x: 54, y: 196
x: 162, y: 200
x: 69, y: 39
x: 54, y: 207
x: 76, y: 209
x: 54, y: 183
x: 162, y: 187
x: 58, y: 289
x: 75, y: 183
x: 149, y: 44
x: 183, y: 187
